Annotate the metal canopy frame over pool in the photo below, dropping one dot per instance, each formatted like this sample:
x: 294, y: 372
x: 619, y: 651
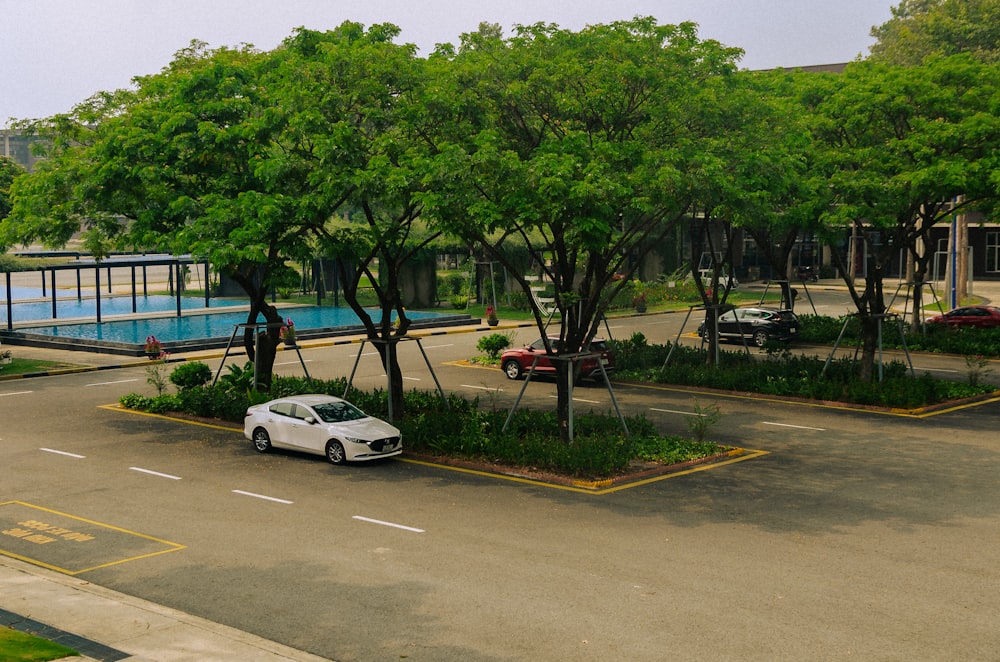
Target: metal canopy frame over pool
x: 174, y: 264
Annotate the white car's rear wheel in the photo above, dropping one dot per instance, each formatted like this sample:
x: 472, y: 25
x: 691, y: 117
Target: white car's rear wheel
x: 335, y: 452
x: 261, y: 440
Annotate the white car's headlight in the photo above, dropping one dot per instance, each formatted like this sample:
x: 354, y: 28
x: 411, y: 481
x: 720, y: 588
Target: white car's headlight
x: 355, y: 440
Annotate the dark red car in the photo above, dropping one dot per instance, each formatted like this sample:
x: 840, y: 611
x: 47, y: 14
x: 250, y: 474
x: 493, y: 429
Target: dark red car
x: 516, y: 362
x: 982, y: 317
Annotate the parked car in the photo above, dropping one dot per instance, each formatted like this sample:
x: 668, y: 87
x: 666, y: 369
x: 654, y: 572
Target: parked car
x: 807, y: 273
x: 706, y: 278
x: 983, y: 317
x: 517, y: 361
x: 322, y: 425
x: 757, y: 325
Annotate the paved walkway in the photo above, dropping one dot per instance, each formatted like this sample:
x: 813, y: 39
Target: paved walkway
x: 106, y: 625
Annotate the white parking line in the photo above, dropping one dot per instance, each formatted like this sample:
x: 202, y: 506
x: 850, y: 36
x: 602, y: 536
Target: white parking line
x: 482, y: 388
x: 590, y: 402
x: 52, y: 450
x: 412, y: 379
x: 120, y: 381
x: 439, y: 346
x: 378, y: 521
x: 261, y: 496
x: 17, y: 393
x: 293, y: 362
x: 798, y: 427
x: 933, y: 369
x: 154, y: 473
x: 674, y: 411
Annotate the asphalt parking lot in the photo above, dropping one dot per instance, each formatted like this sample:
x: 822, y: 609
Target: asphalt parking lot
x: 868, y: 535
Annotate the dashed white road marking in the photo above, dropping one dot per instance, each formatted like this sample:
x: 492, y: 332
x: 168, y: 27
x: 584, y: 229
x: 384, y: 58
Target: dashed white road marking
x: 789, y: 425
x: 590, y: 402
x: 293, y: 362
x: 17, y: 393
x: 120, y: 381
x: 482, y: 388
x: 439, y: 346
x: 674, y: 411
x: 154, y: 473
x: 52, y: 450
x: 263, y: 496
x: 397, y: 526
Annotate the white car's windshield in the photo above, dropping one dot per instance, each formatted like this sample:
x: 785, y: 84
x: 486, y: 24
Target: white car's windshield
x: 338, y: 412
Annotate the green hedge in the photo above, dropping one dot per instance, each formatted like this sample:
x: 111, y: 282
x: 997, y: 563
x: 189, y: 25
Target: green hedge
x: 779, y: 372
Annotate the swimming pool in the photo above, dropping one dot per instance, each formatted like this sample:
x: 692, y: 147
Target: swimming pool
x: 202, y: 330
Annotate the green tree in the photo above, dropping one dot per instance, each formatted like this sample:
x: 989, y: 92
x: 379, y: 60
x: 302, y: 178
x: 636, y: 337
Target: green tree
x: 902, y: 149
x: 752, y: 176
x: 9, y: 170
x: 180, y: 164
x: 357, y: 131
x: 578, y: 145
x: 919, y: 29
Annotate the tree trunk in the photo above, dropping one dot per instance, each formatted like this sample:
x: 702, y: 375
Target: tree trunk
x: 388, y: 352
x: 869, y: 346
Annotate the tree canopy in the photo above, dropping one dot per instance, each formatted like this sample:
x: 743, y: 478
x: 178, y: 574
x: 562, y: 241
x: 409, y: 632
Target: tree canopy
x: 584, y: 149
x: 902, y: 148
x: 920, y: 29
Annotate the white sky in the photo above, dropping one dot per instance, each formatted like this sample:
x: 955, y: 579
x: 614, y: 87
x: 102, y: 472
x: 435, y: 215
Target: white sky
x: 56, y: 53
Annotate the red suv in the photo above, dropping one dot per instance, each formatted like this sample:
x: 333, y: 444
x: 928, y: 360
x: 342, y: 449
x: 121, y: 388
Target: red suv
x: 517, y: 362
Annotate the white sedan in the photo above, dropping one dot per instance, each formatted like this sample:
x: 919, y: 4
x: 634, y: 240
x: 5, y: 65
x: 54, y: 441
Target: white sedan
x: 323, y: 425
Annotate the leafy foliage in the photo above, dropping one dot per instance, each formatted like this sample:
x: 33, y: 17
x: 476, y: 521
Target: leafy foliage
x: 493, y: 345
x: 191, y: 374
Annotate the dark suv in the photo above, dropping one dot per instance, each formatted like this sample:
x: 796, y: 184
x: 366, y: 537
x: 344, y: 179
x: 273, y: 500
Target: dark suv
x: 758, y: 325
x: 516, y: 362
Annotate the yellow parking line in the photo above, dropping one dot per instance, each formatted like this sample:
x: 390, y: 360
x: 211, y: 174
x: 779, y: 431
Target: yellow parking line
x: 579, y: 489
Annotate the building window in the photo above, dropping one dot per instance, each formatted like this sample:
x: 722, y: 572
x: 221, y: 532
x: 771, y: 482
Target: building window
x: 993, y: 252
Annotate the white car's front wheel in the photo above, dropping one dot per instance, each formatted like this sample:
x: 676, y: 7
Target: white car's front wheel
x: 335, y: 452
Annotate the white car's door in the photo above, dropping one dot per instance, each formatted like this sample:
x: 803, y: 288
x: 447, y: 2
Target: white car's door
x: 307, y: 436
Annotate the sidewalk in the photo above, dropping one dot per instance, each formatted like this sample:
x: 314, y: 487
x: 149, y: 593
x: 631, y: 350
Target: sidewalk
x: 106, y: 625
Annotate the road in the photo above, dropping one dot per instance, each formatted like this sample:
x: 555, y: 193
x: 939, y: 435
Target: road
x: 857, y: 534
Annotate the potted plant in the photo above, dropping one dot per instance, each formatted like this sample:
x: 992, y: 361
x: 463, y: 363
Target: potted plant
x: 5, y: 356
x: 288, y: 332
x: 491, y: 316
x: 639, y: 295
x: 153, y: 347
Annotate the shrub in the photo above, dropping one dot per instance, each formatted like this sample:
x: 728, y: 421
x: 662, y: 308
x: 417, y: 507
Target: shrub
x: 494, y: 344
x: 191, y: 374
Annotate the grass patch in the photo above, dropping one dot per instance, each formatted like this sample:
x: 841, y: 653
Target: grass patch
x: 29, y: 366
x: 16, y: 646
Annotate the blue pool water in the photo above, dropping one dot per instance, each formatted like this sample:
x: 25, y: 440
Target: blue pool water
x: 72, y: 308
x: 200, y: 326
